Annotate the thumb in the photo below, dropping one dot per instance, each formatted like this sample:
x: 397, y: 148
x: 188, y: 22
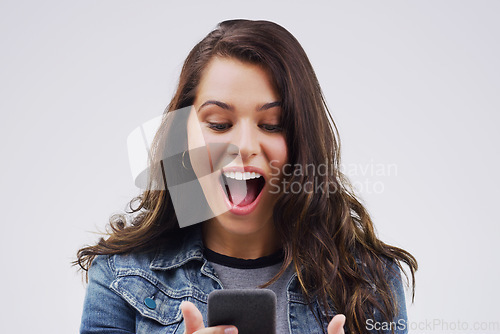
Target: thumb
x: 336, y: 325
x: 193, y: 320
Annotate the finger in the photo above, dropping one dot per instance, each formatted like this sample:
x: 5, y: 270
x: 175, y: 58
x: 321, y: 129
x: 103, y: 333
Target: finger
x: 218, y: 330
x: 336, y: 325
x: 193, y: 320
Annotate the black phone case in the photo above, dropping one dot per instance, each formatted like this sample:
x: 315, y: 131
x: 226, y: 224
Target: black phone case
x: 250, y: 310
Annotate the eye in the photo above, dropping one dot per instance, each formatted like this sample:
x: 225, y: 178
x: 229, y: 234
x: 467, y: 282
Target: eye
x: 219, y: 127
x: 271, y: 127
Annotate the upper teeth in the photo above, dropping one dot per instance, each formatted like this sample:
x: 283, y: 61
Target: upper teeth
x: 242, y: 175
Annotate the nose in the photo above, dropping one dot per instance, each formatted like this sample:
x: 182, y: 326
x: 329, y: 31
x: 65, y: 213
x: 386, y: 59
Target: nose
x: 246, y: 138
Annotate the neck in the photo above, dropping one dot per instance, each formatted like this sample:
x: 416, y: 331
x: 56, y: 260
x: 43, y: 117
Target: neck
x: 243, y: 246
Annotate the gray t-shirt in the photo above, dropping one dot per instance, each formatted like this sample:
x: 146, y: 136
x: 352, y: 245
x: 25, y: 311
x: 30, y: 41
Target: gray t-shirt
x: 237, y: 273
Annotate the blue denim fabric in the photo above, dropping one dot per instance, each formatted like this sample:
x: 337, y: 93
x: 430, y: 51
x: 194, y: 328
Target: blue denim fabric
x: 119, y: 285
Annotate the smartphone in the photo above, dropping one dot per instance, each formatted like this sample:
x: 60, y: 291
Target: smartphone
x: 250, y: 310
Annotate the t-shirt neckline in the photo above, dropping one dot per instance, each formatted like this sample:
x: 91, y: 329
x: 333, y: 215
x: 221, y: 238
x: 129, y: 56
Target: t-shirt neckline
x: 234, y: 262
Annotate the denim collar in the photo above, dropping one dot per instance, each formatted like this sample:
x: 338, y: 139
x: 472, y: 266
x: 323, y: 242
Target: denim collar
x: 189, y: 246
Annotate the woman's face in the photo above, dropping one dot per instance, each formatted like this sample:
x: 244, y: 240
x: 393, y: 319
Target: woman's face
x: 238, y: 109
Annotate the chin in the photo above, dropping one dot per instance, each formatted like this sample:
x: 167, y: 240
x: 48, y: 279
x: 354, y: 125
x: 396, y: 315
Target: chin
x: 243, y: 225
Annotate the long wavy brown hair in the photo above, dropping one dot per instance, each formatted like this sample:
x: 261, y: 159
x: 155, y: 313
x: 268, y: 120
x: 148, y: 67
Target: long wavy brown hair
x: 327, y: 234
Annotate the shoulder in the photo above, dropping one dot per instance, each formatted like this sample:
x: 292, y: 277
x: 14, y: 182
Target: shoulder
x: 394, y: 278
x: 113, y: 265
x: 173, y: 246
x: 150, y: 283
x: 390, y: 269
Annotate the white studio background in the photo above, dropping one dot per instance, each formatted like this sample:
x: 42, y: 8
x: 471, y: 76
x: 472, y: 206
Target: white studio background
x: 413, y: 87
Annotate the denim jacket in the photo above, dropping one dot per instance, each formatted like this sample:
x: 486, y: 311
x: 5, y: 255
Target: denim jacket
x: 142, y: 292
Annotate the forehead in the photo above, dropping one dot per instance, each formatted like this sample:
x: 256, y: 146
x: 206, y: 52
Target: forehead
x: 232, y: 79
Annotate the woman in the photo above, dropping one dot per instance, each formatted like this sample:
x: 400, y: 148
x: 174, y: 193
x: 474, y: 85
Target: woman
x: 255, y: 132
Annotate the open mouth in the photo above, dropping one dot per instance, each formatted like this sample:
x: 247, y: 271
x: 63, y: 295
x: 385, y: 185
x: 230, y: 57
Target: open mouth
x: 242, y: 188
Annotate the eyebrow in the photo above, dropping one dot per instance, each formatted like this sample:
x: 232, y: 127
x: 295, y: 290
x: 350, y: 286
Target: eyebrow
x: 231, y: 108
x: 270, y: 105
x: 217, y: 103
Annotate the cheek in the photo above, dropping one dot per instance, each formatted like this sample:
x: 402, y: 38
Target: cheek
x: 277, y: 150
x: 211, y: 138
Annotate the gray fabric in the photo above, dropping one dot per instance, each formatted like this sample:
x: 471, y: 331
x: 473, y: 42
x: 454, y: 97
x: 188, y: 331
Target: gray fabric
x: 233, y: 278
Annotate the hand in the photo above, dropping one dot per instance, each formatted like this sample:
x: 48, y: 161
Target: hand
x: 193, y: 320
x: 336, y: 325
